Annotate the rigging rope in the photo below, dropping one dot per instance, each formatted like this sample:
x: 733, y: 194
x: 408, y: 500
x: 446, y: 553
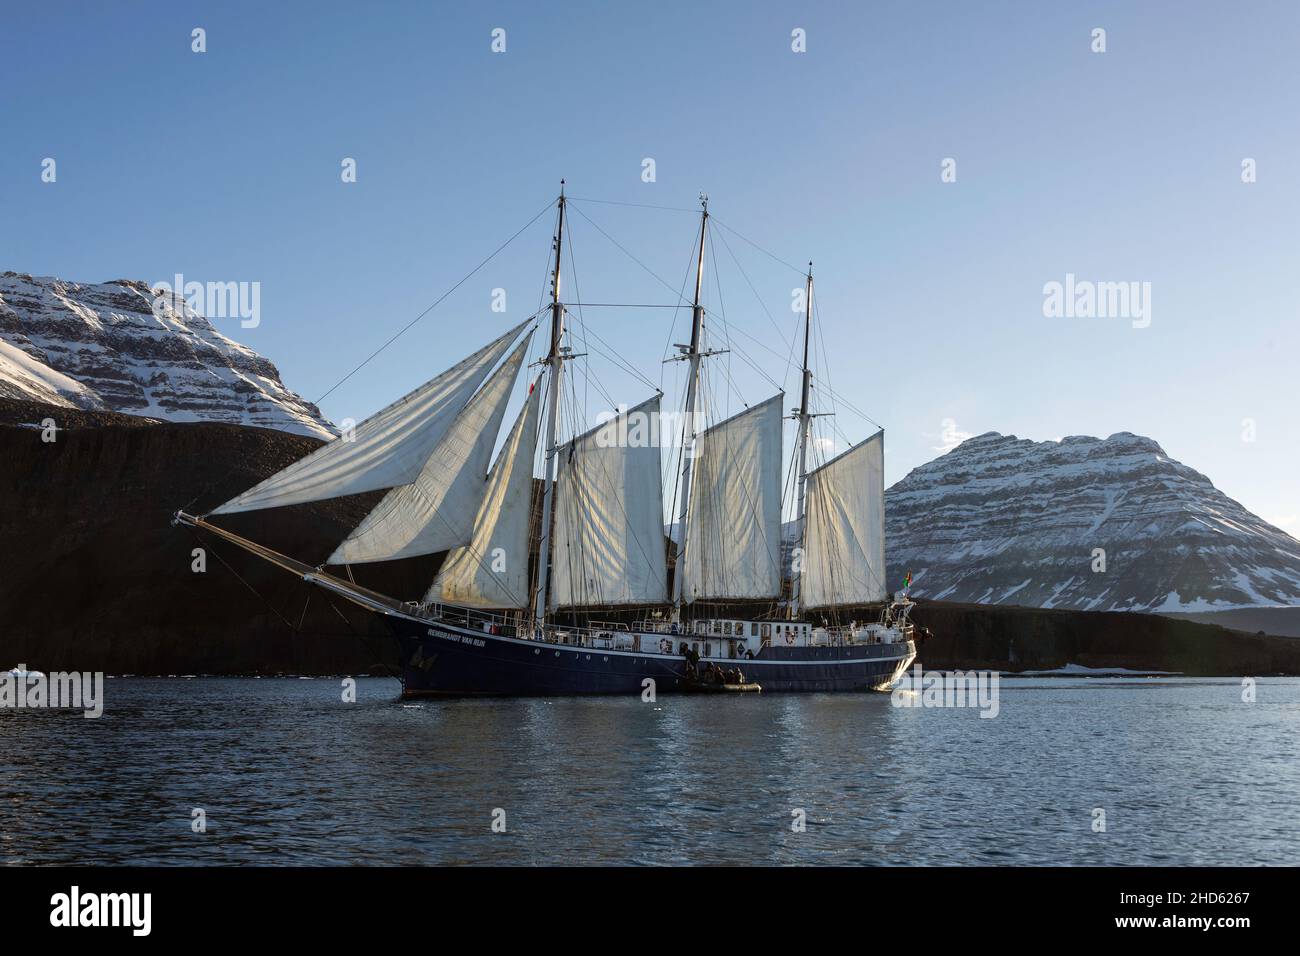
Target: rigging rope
x: 216, y: 554
x: 404, y: 329
x: 794, y: 339
x: 610, y: 353
x: 770, y: 255
x: 401, y: 332
x: 642, y: 205
x: 788, y: 358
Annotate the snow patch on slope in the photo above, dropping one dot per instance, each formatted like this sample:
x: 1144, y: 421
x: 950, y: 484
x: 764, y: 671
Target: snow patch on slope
x: 23, y: 377
x: 124, y: 349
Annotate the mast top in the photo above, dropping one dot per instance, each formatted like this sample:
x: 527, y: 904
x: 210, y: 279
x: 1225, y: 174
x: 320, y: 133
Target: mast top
x: 704, y: 201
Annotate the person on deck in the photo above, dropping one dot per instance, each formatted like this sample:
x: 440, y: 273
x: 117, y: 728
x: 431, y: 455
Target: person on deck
x: 692, y: 659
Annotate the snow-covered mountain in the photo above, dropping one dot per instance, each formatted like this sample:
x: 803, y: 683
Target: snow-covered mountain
x: 1003, y: 520
x: 106, y: 346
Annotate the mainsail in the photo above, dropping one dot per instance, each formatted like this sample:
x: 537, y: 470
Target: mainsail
x: 609, y: 538
x: 388, y: 449
x: 492, y: 571
x: 844, y: 538
x: 733, y: 544
x: 436, y: 511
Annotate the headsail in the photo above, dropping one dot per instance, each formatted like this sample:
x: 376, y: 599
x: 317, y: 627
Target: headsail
x: 436, y: 511
x: 471, y: 576
x: 844, y: 544
x: 733, y: 545
x: 609, y: 537
x: 388, y: 449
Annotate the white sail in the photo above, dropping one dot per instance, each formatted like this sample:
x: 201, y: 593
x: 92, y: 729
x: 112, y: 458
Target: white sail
x: 386, y: 450
x: 609, y: 532
x: 436, y: 511
x: 492, y: 571
x: 733, y: 530
x: 844, y: 540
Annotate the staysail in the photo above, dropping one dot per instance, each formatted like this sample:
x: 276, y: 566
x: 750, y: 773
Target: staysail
x: 436, y: 511
x: 844, y: 541
x: 733, y: 544
x: 387, y: 449
x: 492, y: 571
x: 609, y: 537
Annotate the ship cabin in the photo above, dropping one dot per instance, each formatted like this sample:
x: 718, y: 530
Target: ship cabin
x: 711, y: 638
x: 732, y: 638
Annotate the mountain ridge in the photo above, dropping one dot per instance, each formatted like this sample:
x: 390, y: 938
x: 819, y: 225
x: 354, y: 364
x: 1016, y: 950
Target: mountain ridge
x: 1006, y: 520
x: 122, y: 346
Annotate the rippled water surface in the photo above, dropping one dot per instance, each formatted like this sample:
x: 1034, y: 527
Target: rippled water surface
x: 289, y: 774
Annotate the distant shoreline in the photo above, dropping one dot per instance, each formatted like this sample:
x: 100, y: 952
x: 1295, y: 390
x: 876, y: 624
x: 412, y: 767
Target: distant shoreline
x: 1023, y: 639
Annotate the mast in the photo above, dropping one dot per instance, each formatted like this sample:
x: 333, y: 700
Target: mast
x: 555, y: 360
x: 805, y: 420
x: 693, y: 356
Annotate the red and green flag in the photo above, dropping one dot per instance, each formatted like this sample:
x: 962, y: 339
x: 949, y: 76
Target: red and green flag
x: 907, y: 581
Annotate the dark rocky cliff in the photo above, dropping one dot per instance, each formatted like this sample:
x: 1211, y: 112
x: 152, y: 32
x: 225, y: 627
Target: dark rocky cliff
x: 93, y: 575
x: 1019, y: 639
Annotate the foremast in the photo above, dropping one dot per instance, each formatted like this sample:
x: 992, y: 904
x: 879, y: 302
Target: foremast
x: 692, y: 355
x: 804, y: 417
x: 555, y: 361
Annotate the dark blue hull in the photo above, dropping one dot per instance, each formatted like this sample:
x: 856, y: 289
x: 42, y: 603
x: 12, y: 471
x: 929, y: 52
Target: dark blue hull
x: 445, y: 660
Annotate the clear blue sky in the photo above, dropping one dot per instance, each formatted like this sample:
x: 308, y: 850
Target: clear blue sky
x: 1122, y: 166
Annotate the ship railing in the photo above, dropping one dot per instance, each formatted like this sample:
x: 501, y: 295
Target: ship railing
x: 848, y: 635
x: 470, y: 618
x: 640, y: 636
x: 838, y: 638
x: 667, y: 628
x: 600, y: 635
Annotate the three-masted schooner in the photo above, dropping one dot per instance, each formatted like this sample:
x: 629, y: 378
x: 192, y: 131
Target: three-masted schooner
x: 582, y: 601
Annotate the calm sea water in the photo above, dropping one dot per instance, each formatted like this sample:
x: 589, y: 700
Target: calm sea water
x: 288, y: 774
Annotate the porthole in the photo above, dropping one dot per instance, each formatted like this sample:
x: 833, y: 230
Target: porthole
x: 537, y: 650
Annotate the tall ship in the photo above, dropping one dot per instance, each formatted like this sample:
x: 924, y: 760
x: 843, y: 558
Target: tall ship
x: 653, y: 551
